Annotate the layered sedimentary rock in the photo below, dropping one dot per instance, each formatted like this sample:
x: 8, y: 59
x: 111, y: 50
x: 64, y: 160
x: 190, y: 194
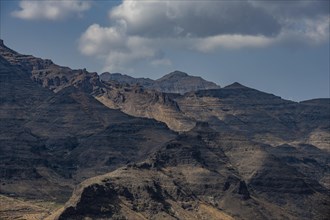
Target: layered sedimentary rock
x: 174, y: 82
x: 235, y: 152
x: 140, y: 102
x: 50, y: 75
x: 46, y: 137
x: 196, y: 176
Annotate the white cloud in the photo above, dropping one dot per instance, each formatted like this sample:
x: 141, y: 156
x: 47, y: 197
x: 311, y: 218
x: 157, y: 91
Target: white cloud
x: 300, y: 31
x: 142, y: 31
x: 194, y: 18
x: 118, y: 49
x: 316, y: 30
x: 99, y: 40
x: 50, y: 9
x: 231, y: 42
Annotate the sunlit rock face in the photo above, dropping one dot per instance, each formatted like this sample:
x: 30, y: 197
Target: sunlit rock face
x: 136, y: 152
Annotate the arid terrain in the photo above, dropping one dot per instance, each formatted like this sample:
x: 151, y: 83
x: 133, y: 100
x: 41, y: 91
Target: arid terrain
x: 78, y: 145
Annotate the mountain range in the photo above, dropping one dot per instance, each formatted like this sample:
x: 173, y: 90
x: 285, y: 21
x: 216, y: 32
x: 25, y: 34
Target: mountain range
x: 175, y: 82
x: 76, y: 145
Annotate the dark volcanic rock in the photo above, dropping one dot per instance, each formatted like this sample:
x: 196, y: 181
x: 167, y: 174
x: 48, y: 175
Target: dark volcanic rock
x: 175, y: 82
x: 45, y: 136
x: 192, y: 177
x: 180, y: 82
x: 50, y: 75
x: 168, y: 185
x: 139, y: 102
x: 263, y: 117
x: 125, y: 79
x: 245, y: 154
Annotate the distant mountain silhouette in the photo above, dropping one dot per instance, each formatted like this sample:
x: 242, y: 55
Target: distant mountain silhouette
x: 175, y: 82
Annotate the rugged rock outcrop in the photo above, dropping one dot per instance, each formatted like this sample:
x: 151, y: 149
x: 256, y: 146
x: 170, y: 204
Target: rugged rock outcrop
x: 175, y: 82
x: 50, y: 75
x: 140, y: 102
x: 180, y: 82
x: 197, y: 176
x: 263, y: 117
x: 260, y: 116
x: 125, y: 79
x: 46, y: 138
x: 240, y: 154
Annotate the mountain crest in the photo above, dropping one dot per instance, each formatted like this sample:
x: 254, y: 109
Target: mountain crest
x: 174, y: 82
x: 227, y: 154
x: 175, y: 74
x: 235, y: 85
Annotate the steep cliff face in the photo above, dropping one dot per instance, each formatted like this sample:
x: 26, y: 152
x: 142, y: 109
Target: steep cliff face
x: 198, y: 176
x: 239, y: 154
x: 261, y: 116
x: 167, y: 186
x: 139, y: 102
x: 50, y: 75
x: 236, y: 106
x: 48, y: 137
x: 20, y: 163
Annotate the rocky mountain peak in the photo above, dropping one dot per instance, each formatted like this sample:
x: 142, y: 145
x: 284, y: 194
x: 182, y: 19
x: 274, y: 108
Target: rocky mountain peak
x: 106, y: 76
x: 235, y: 85
x: 175, y: 74
x: 50, y: 75
x: 174, y: 82
x: 116, y: 74
x: 5, y: 51
x: 238, y: 153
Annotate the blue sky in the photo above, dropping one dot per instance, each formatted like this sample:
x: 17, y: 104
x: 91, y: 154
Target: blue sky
x: 280, y: 47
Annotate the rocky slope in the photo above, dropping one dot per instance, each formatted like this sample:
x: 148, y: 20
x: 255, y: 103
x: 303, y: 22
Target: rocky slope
x: 140, y: 102
x: 196, y: 176
x: 13, y: 208
x: 180, y: 82
x: 240, y: 154
x: 260, y: 116
x: 125, y: 79
x: 48, y: 74
x: 46, y: 138
x: 235, y: 106
x: 175, y: 82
